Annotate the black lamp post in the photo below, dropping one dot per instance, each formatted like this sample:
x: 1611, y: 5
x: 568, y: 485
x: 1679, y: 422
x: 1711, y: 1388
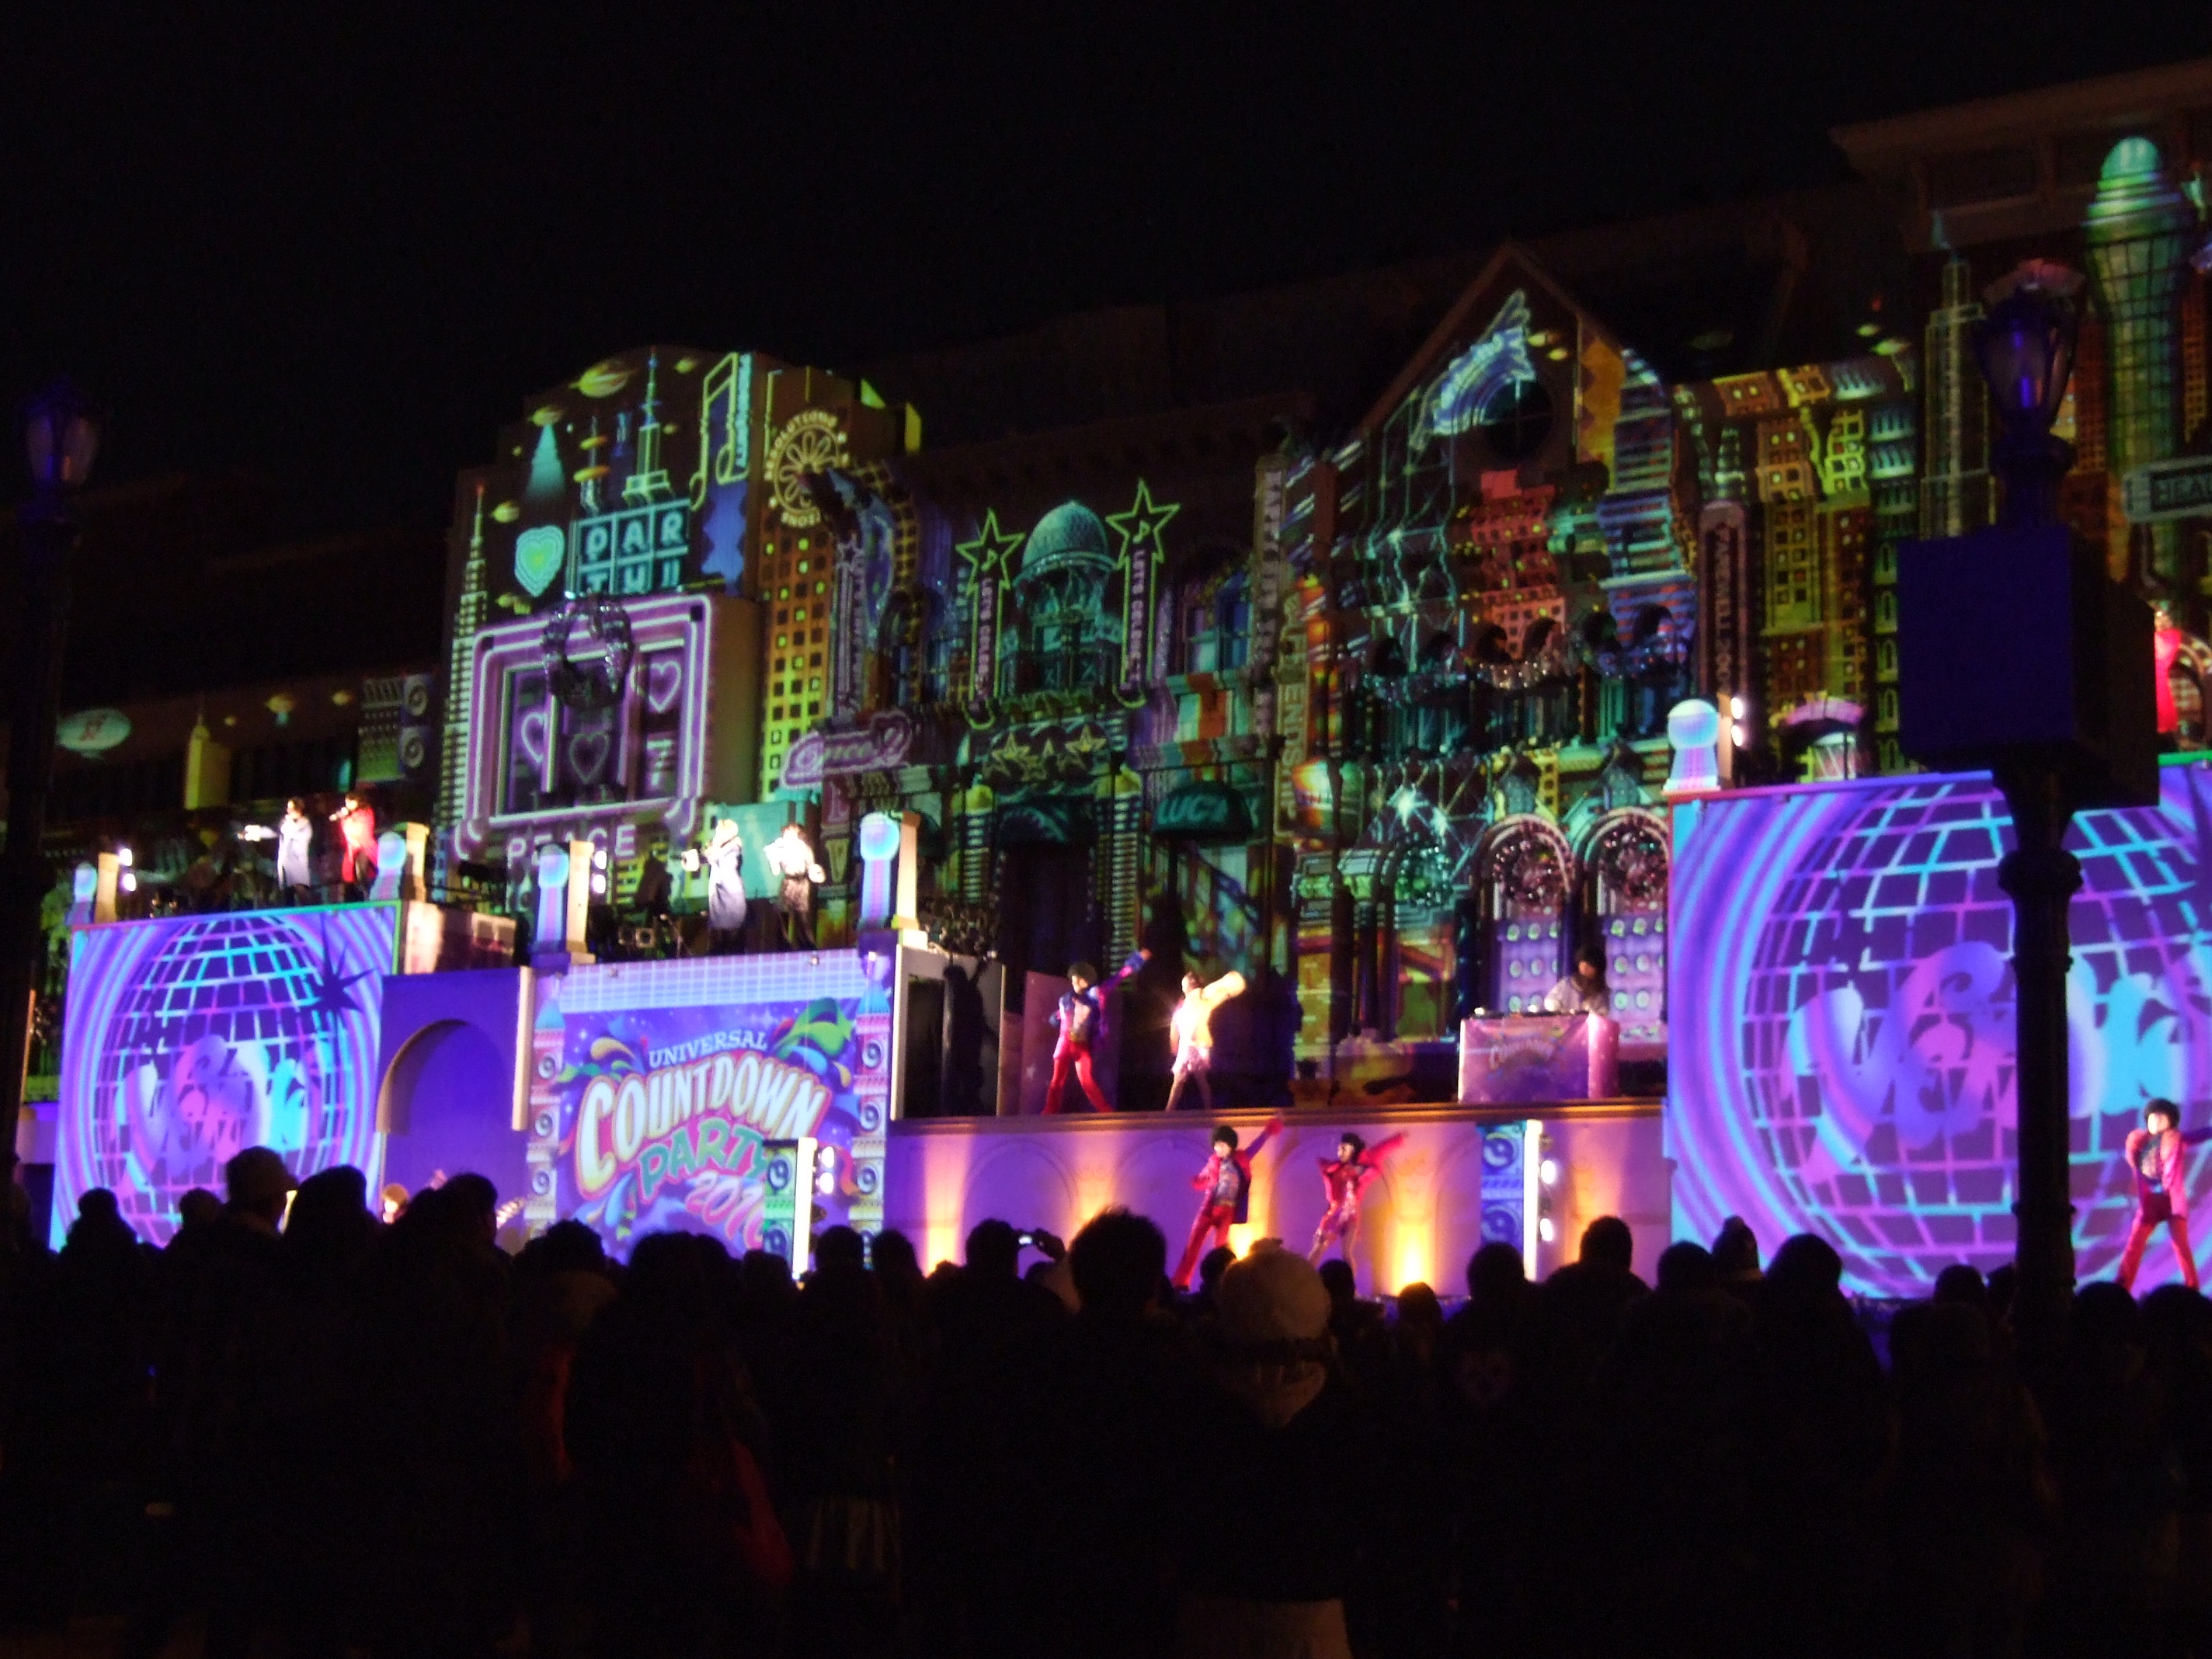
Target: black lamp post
x: 61, y: 434
x: 2018, y: 653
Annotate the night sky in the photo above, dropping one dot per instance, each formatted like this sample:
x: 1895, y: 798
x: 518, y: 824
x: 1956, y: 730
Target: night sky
x: 338, y: 251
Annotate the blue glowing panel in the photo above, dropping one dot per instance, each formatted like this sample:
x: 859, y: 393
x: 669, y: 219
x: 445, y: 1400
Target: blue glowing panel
x: 1841, y: 1017
x: 191, y: 1038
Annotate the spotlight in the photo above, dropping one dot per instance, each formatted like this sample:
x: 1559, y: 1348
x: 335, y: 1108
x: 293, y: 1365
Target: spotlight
x: 598, y: 883
x: 1549, y: 1172
x: 599, y: 857
x: 124, y: 857
x: 1545, y: 1229
x: 1737, y: 709
x: 129, y: 883
x: 1736, y: 737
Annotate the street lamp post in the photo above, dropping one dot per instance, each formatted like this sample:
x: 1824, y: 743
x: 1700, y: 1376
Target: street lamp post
x: 61, y: 434
x: 2018, y: 653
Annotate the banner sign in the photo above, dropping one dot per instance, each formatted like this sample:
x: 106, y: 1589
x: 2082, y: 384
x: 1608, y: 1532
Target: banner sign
x: 658, y: 1086
x: 884, y: 743
x: 2168, y: 490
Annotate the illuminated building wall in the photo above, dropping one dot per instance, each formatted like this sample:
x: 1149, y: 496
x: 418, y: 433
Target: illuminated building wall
x: 1804, y: 484
x: 662, y: 474
x: 1498, y: 611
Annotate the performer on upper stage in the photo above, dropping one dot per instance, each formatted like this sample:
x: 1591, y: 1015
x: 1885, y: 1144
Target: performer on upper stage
x: 1192, y: 1026
x: 296, y: 835
x: 357, y: 822
x: 725, y: 860
x: 1079, y: 1016
x: 792, y: 860
x: 1346, y: 1176
x: 2154, y: 1153
x: 1584, y: 991
x: 1226, y: 1182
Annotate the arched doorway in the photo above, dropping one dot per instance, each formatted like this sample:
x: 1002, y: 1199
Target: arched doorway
x: 447, y: 1103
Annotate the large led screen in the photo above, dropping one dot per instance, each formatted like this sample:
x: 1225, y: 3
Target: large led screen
x: 188, y: 1039
x: 659, y: 1085
x: 1840, y: 1008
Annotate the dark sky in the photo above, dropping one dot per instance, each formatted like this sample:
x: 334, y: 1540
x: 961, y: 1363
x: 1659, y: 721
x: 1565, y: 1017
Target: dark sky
x: 339, y: 245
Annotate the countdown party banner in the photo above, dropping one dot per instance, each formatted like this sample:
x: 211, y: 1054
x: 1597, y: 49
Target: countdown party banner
x: 658, y: 1087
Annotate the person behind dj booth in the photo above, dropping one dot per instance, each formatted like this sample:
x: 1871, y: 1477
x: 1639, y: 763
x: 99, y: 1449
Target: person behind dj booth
x: 1584, y: 991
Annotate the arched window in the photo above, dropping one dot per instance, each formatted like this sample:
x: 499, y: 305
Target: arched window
x: 1625, y: 910
x: 1524, y: 875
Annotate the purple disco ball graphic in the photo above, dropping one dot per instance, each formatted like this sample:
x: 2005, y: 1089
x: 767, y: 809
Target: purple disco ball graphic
x: 186, y: 1039
x: 1841, y: 1006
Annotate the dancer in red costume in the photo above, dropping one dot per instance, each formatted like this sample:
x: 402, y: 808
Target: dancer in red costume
x: 1080, y: 1015
x: 2154, y: 1153
x: 1226, y: 1182
x: 357, y: 822
x: 1346, y: 1175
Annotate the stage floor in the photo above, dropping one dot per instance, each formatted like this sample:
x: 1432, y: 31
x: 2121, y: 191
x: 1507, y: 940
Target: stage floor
x: 1439, y: 1196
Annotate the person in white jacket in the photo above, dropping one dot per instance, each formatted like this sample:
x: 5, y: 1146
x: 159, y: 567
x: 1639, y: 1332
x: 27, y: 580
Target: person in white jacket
x: 1192, y: 1026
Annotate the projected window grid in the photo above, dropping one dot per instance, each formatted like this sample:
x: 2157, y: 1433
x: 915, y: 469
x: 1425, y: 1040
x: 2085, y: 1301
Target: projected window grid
x: 1527, y: 955
x: 1636, y: 969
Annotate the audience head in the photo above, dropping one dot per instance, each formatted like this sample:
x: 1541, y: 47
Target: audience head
x: 1211, y: 1265
x: 1495, y: 1275
x: 474, y: 1201
x: 1606, y: 1242
x: 98, y: 1204
x: 329, y: 1213
x: 1119, y: 1260
x: 1808, y: 1267
x: 839, y: 1250
x: 1963, y: 1283
x: 258, y: 1186
x: 1420, y: 1307
x: 199, y: 1208
x: 1341, y: 1283
x: 993, y: 1249
x: 891, y: 1254
x: 1685, y: 1267
x: 566, y: 1246
x: 1736, y: 1251
x: 1272, y: 1336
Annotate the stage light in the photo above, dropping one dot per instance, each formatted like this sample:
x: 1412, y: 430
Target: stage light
x: 2025, y: 348
x: 599, y: 862
x: 1545, y: 1229
x: 124, y: 856
x: 598, y: 883
x: 1737, y: 737
x: 1738, y: 709
x: 1549, y: 1172
x: 129, y: 883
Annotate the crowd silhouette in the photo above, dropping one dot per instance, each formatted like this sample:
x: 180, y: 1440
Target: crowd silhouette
x: 313, y: 1433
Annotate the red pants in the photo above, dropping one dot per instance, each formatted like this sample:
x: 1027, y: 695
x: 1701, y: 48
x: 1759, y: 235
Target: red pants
x: 1214, y: 1219
x: 2139, y: 1236
x: 1073, y: 1057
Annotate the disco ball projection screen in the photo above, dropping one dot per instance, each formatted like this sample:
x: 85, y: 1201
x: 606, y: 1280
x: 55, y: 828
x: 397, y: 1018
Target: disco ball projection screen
x: 1841, y: 1007
x: 189, y: 1039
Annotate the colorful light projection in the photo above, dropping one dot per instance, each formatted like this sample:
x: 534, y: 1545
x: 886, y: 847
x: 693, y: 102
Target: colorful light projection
x: 191, y: 1039
x: 539, y: 771
x: 1841, y: 1010
x: 658, y: 1086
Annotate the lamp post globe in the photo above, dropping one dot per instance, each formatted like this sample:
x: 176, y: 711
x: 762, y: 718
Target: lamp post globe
x: 2025, y: 346
x: 61, y: 436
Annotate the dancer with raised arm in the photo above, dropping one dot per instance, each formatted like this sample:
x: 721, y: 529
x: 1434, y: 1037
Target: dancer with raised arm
x: 1226, y: 1185
x: 1345, y: 1176
x: 1079, y: 1016
x: 1192, y: 1026
x: 2156, y: 1155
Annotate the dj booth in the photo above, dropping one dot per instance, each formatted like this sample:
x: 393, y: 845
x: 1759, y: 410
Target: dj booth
x: 1518, y: 1058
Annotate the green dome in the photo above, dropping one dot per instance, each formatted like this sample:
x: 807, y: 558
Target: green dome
x: 2130, y: 158
x: 1071, y: 534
